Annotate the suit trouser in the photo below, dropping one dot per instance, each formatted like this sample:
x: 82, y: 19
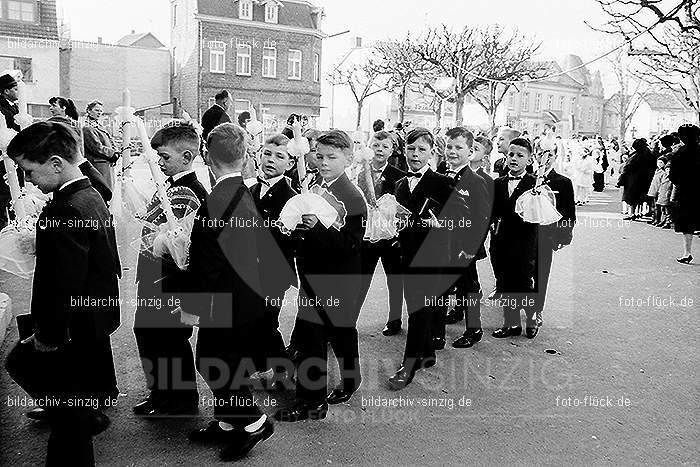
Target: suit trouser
x: 468, y: 293
x: 496, y: 266
x: 58, y: 377
x: 543, y: 268
x: 100, y: 361
x: 421, y: 286
x: 518, y: 292
x: 226, y: 372
x: 166, y: 353
x: 390, y: 254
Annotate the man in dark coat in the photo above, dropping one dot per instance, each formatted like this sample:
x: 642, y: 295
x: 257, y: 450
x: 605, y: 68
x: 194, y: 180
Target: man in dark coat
x: 8, y: 107
x: 227, y: 298
x: 75, y: 299
x: 216, y: 114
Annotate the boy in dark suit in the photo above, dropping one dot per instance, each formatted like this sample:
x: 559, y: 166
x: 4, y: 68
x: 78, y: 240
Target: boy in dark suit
x: 75, y: 295
x: 514, y: 240
x: 276, y: 250
x: 163, y: 342
x: 329, y: 264
x: 467, y: 240
x: 424, y: 250
x: 226, y: 298
x: 552, y: 237
x: 384, y: 178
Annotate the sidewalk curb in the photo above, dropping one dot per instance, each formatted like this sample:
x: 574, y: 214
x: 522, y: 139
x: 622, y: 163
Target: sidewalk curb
x: 5, y: 314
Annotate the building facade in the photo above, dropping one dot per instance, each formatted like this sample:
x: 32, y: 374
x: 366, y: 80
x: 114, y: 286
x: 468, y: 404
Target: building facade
x: 571, y: 101
x: 266, y: 53
x: 29, y: 42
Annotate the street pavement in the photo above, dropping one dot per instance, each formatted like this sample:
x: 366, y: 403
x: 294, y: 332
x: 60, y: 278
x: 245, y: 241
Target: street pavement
x: 612, y: 378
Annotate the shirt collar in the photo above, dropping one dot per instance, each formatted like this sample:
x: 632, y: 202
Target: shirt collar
x: 178, y: 176
x: 459, y: 169
x: 70, y: 182
x: 332, y: 181
x: 380, y: 169
x: 271, y: 181
x: 229, y: 175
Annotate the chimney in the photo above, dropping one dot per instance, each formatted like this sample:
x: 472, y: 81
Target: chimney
x: 356, y: 42
x: 133, y: 31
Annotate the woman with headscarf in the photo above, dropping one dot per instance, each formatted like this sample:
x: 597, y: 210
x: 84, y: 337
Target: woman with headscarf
x: 685, y: 167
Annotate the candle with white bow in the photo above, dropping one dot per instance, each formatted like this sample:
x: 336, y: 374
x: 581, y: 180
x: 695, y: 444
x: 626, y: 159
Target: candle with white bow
x: 23, y: 119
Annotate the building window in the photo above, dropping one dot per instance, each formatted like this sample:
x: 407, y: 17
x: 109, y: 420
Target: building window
x: 511, y: 100
x: 271, y: 12
x: 550, y: 102
x: 294, y: 64
x: 561, y: 103
x: 245, y: 9
x: 573, y: 105
x: 217, y: 57
x: 174, y: 61
x: 241, y: 105
x: 23, y: 64
x: 243, y: 52
x: 174, y: 15
x: 538, y: 102
x: 269, y: 63
x: 22, y: 10
x: 590, y: 115
x: 525, y: 102
x: 317, y: 68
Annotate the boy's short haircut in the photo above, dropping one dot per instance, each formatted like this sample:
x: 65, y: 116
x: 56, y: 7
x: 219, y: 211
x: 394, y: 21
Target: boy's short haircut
x: 382, y: 135
x: 42, y: 140
x: 486, y: 143
x: 668, y: 140
x: 311, y: 134
x: 460, y: 131
x: 231, y: 139
x: 277, y: 140
x: 523, y: 143
x: 337, y: 139
x: 92, y: 105
x: 182, y: 136
x: 378, y: 125
x: 418, y: 133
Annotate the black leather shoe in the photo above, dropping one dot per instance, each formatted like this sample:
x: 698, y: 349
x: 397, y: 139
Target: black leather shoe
x: 438, y: 343
x: 531, y: 328
x: 454, y: 317
x: 402, y: 378
x: 38, y: 414
x: 468, y: 339
x: 392, y: 328
x: 212, y: 432
x: 302, y: 411
x: 339, y: 395
x: 147, y: 406
x: 245, y: 442
x: 685, y: 260
x: 507, y: 331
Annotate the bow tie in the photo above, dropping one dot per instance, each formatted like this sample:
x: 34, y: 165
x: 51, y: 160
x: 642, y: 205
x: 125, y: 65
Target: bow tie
x: 414, y: 174
x: 263, y: 181
x: 515, y: 178
x: 325, y: 185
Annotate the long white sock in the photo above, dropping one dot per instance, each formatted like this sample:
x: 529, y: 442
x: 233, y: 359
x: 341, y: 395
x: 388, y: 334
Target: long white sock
x: 255, y: 426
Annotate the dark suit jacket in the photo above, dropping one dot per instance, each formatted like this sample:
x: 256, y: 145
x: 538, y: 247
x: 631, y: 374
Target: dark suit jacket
x: 422, y: 246
x: 329, y: 260
x: 470, y: 236
x: 214, y: 116
x: 96, y: 179
x: 275, y: 248
x: 76, y: 258
x: 225, y: 273
x: 387, y: 184
x: 514, y: 240
x: 158, y: 276
x: 562, y: 231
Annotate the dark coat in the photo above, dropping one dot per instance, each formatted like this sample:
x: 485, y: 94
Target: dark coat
x: 76, y: 258
x: 96, y: 179
x: 276, y: 249
x: 470, y: 236
x: 635, y: 177
x: 685, y: 167
x: 225, y: 273
x: 561, y: 232
x: 214, y: 116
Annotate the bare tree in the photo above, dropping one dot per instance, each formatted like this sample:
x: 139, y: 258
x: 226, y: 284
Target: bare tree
x: 509, y: 58
x: 363, y: 80
x: 454, y: 55
x: 670, y: 57
x: 630, y: 94
x: 399, y: 63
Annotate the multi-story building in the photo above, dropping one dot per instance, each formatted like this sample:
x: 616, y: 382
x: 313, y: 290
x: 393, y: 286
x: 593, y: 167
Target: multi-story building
x: 571, y: 101
x: 658, y: 112
x: 29, y: 42
x: 267, y: 53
